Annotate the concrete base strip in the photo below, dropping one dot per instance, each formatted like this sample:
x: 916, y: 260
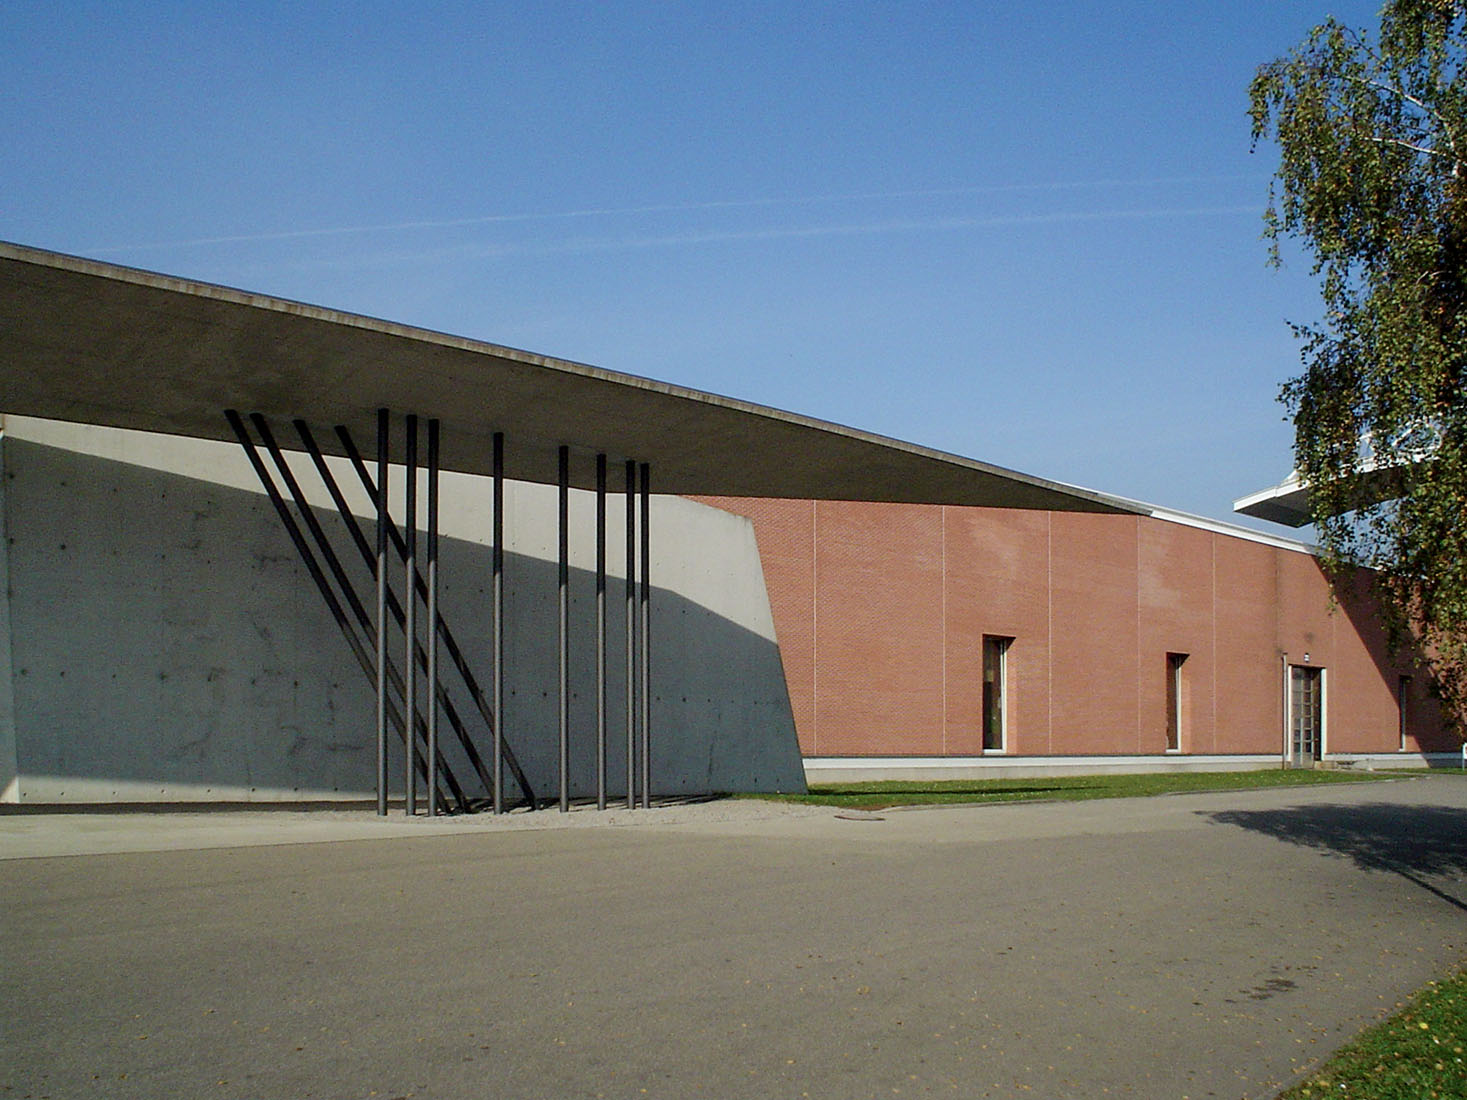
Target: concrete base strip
x: 859, y: 769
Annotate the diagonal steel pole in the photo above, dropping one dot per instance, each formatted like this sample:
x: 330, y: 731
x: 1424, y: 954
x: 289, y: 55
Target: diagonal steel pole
x: 454, y: 653
x: 391, y: 602
x: 354, y: 643
x: 333, y: 562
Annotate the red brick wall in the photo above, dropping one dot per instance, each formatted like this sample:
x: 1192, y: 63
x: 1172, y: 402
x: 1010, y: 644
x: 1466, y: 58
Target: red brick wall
x: 993, y: 587
x: 880, y: 612
x: 1248, y: 687
x: 1092, y: 597
x: 1175, y: 615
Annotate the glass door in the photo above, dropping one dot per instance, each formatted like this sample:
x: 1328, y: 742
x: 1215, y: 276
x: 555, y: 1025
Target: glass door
x: 1306, y: 715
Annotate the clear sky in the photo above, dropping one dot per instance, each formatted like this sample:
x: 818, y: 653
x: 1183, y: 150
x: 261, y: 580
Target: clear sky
x: 1024, y: 233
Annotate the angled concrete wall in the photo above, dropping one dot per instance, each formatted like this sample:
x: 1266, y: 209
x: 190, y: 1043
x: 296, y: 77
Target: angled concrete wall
x: 166, y: 644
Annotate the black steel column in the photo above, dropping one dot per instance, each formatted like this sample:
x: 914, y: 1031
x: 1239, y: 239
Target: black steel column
x: 338, y: 613
x: 393, y: 607
x: 432, y: 669
x: 410, y: 627
x: 498, y: 625
x: 564, y: 629
x: 646, y: 641
x: 631, y: 595
x: 601, y: 632
x: 383, y: 429
x: 450, y: 646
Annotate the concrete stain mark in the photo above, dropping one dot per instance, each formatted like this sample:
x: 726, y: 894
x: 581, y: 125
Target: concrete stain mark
x: 1273, y: 986
x: 264, y: 632
x: 302, y: 743
x: 198, y: 748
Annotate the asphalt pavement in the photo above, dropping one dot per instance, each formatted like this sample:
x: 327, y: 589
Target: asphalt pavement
x: 1210, y: 945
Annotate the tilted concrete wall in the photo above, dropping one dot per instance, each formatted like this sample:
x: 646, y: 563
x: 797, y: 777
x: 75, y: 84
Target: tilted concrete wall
x: 166, y: 644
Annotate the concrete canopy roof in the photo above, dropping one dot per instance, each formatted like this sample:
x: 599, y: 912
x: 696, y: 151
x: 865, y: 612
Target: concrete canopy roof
x: 1286, y: 503
x: 86, y: 341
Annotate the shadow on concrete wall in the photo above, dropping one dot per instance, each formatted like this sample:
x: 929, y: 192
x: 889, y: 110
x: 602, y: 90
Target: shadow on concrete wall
x: 167, y: 643
x: 1426, y: 845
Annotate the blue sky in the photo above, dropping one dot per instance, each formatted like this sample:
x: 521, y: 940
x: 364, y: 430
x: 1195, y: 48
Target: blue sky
x: 1028, y: 234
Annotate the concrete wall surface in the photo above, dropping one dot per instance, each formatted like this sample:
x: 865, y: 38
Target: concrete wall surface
x: 881, y: 610
x: 166, y: 644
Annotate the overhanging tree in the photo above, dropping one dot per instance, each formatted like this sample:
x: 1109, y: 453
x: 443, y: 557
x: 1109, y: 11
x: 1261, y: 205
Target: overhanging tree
x: 1372, y: 182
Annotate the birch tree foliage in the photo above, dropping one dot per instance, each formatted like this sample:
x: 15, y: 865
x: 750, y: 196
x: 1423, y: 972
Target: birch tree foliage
x: 1371, y: 130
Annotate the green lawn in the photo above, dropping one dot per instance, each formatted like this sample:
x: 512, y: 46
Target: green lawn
x: 884, y: 794
x: 1415, y: 1055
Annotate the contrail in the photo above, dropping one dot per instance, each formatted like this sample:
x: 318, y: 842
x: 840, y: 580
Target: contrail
x: 666, y: 208
x: 587, y: 245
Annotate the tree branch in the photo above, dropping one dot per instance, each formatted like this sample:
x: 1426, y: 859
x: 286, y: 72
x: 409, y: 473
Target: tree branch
x: 1419, y: 104
x: 1425, y: 150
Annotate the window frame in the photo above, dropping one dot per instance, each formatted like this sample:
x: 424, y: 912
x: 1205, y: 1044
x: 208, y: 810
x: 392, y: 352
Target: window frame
x: 996, y: 649
x: 1176, y: 688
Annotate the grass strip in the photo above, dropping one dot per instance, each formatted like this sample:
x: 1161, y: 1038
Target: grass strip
x: 1417, y: 1054
x: 885, y: 794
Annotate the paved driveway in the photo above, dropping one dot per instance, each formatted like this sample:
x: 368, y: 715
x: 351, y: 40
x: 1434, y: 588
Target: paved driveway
x: 1190, y: 946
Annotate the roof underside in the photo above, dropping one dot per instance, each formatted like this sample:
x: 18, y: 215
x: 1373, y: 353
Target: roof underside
x: 1286, y: 503
x: 100, y: 344
x: 1289, y: 502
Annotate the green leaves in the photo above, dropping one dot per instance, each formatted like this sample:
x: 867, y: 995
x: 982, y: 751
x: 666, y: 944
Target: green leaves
x: 1372, y: 181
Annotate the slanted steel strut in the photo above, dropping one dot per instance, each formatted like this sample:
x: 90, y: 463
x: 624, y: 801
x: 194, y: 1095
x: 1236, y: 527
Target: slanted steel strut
x: 450, y: 645
x: 389, y: 599
x: 354, y: 643
x: 328, y: 554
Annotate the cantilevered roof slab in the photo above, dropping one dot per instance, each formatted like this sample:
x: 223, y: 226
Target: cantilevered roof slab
x: 1286, y: 503
x: 97, y: 343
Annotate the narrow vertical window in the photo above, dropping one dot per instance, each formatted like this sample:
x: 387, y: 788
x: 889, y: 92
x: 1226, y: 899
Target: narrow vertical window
x: 995, y: 693
x: 1174, y: 700
x: 1403, y: 696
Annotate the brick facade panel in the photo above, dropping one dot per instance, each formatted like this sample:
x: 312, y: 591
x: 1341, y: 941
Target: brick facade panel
x: 881, y: 611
